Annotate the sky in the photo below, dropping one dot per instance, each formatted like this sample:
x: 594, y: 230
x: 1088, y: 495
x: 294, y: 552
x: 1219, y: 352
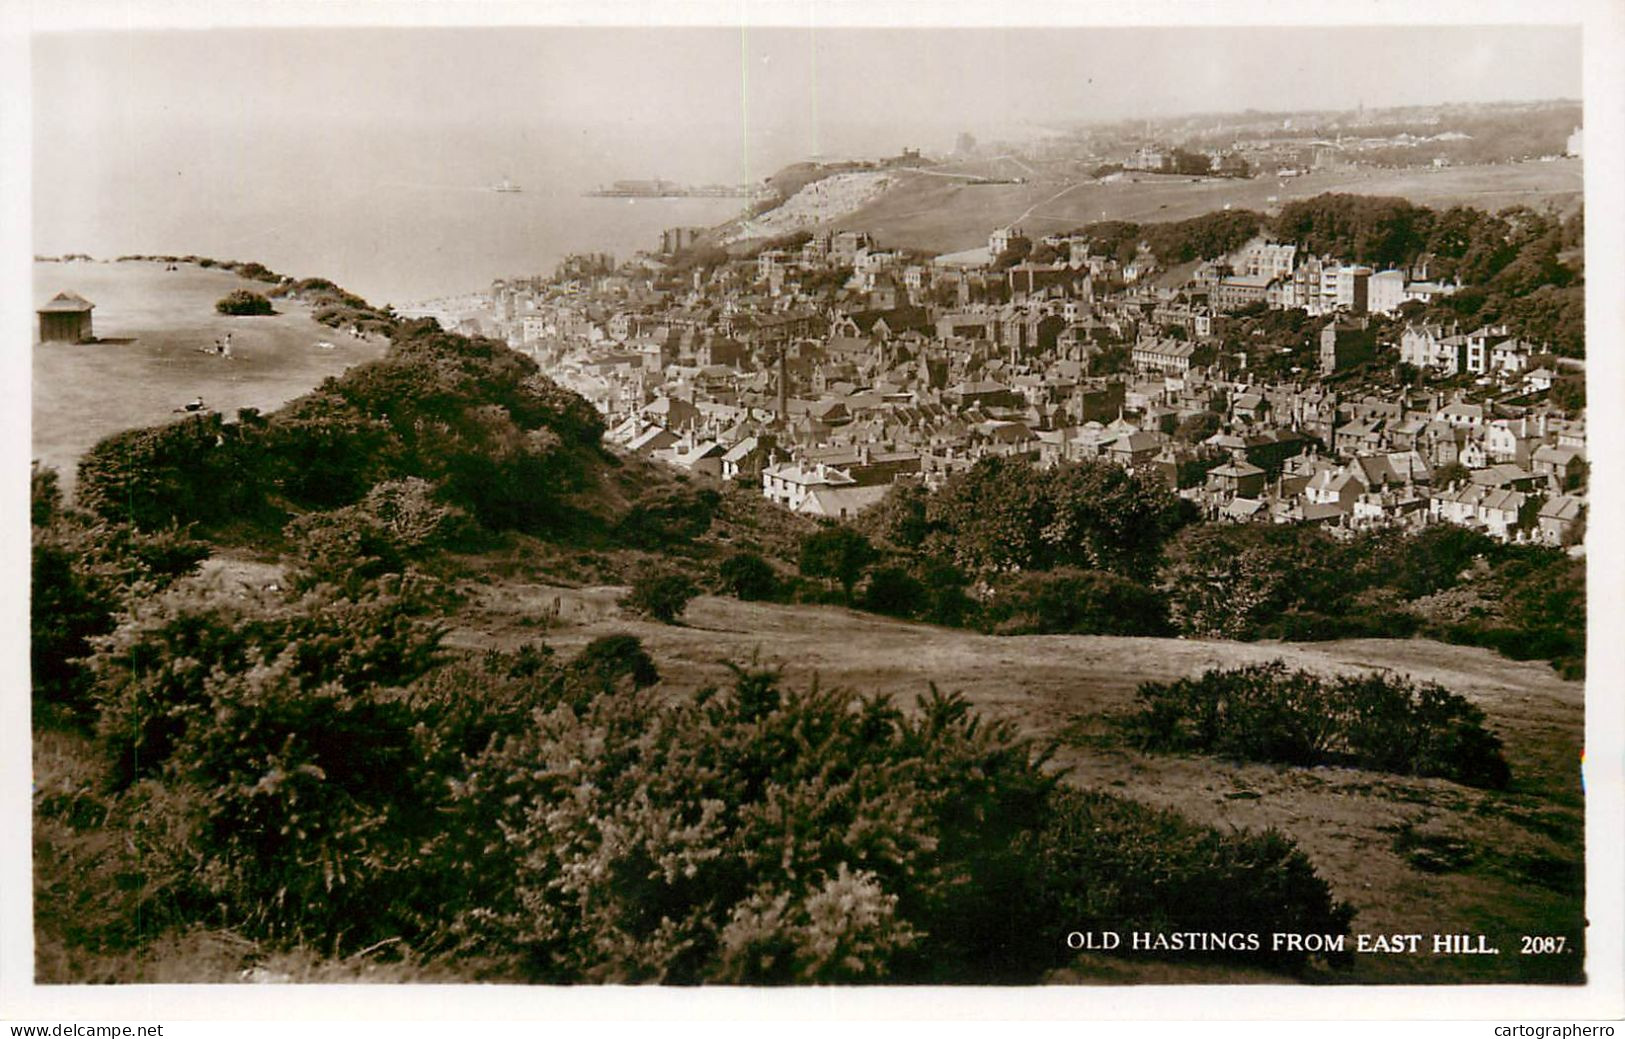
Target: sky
x: 804, y: 90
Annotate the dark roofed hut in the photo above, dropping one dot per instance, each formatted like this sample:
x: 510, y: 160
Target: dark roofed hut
x: 65, y: 319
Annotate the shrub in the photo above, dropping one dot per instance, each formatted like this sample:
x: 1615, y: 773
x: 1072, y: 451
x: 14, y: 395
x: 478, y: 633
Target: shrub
x: 1068, y: 601
x: 766, y: 835
x: 243, y: 303
x: 747, y: 576
x: 197, y: 470
x: 660, y: 593
x: 609, y: 658
x: 672, y: 514
x: 396, y: 522
x: 1113, y: 864
x: 409, y: 513
x: 84, y: 572
x: 893, y: 591
x: 1268, y: 713
x: 277, y: 754
x: 762, y: 834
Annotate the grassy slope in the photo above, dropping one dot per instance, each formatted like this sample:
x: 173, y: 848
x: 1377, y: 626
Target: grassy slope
x: 1523, y: 845
x: 155, y: 324
x: 943, y: 215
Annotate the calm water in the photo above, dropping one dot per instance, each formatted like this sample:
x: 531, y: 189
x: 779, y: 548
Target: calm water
x: 395, y: 214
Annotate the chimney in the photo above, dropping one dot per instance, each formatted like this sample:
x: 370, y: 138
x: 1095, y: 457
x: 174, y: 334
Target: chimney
x: 784, y: 387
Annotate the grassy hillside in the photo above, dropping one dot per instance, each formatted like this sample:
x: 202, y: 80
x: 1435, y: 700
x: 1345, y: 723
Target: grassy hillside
x: 153, y: 325
x: 941, y: 214
x: 1413, y: 855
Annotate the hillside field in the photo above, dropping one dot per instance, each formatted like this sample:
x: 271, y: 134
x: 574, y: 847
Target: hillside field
x: 1413, y: 855
x: 940, y: 214
x: 153, y: 326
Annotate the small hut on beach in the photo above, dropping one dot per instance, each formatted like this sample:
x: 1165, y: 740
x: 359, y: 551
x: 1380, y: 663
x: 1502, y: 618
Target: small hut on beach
x: 66, y: 319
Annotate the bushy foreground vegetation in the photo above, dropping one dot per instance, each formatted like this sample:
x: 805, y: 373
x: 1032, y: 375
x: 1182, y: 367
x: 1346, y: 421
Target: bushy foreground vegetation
x: 85, y: 572
x: 310, y: 767
x: 1270, y: 713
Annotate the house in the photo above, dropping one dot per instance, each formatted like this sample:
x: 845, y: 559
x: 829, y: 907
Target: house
x: 1388, y: 508
x: 1385, y: 292
x: 1512, y: 440
x: 1481, y: 344
x: 1337, y: 487
x: 1130, y: 450
x: 1163, y: 355
x: 1261, y: 256
x: 789, y: 483
x: 1493, y: 510
x: 653, y: 439
x: 1244, y: 510
x: 672, y: 413
x: 1002, y: 239
x: 1354, y: 437
x: 1237, y: 479
x: 1540, y: 379
x: 746, y: 459
x: 65, y: 318
x: 1564, y: 465
x: 1433, y: 347
x: 1463, y: 415
x: 982, y: 393
x: 1504, y: 474
x: 697, y: 456
x: 1560, y: 520
x: 841, y: 502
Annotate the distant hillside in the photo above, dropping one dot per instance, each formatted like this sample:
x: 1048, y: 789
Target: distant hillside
x: 944, y: 214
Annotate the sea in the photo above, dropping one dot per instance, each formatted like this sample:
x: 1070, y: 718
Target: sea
x: 397, y: 212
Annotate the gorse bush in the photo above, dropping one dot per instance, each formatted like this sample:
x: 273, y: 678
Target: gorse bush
x: 771, y: 835
x: 659, y: 592
x: 84, y: 572
x: 1120, y: 866
x: 243, y: 303
x: 1267, y: 712
x: 1067, y: 601
x: 270, y: 742
x: 398, y: 521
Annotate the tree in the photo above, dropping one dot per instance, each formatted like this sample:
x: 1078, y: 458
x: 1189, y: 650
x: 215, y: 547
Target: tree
x: 243, y: 303
x: 836, y: 552
x: 1018, y: 250
x: 900, y: 517
x: 1568, y: 392
x: 1196, y: 428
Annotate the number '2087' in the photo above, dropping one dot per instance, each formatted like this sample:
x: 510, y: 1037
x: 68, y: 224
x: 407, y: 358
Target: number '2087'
x: 1543, y: 944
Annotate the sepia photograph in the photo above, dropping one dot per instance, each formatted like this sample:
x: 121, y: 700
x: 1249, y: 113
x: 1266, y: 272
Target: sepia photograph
x: 764, y: 497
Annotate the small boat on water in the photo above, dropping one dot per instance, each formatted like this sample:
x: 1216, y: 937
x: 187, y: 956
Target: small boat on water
x: 507, y: 187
